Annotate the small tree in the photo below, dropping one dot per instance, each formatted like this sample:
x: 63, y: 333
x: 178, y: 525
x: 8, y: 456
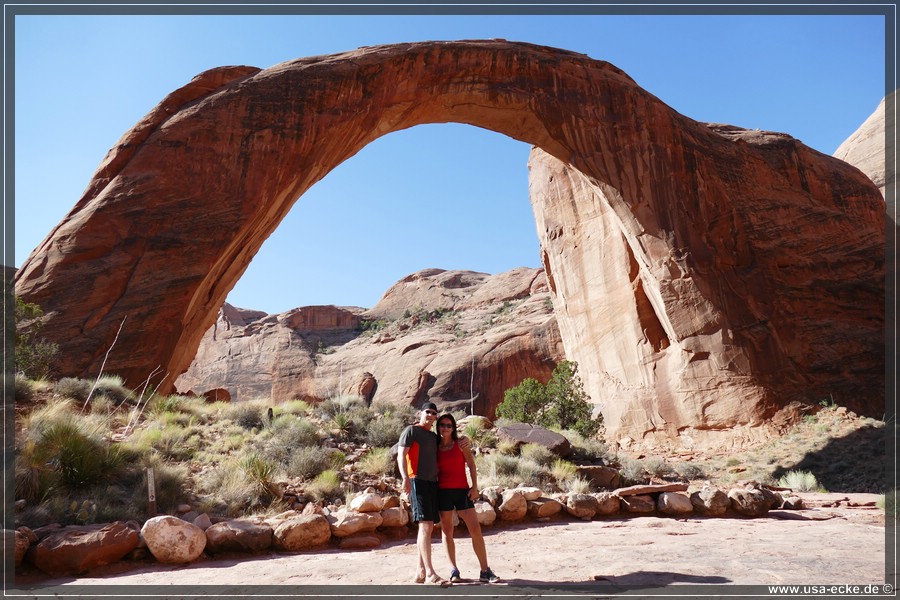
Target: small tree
x: 524, y: 402
x: 33, y: 356
x: 568, y: 404
x: 562, y: 402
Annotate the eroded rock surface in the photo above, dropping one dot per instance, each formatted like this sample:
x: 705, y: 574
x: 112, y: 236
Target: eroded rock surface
x: 500, y: 326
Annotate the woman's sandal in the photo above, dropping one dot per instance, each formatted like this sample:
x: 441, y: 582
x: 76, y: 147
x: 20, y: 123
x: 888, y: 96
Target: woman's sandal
x: 437, y: 580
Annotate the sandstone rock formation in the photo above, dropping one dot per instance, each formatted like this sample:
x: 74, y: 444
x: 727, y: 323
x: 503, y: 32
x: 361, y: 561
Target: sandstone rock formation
x: 703, y: 276
x: 865, y: 148
x: 502, y: 326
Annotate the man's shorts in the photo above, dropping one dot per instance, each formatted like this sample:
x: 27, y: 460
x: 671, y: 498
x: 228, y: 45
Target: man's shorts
x: 423, y: 498
x: 450, y: 498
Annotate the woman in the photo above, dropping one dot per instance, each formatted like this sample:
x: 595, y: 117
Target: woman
x: 454, y: 492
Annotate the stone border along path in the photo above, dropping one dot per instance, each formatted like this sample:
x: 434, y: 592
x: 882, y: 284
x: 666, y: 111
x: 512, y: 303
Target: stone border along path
x: 831, y: 536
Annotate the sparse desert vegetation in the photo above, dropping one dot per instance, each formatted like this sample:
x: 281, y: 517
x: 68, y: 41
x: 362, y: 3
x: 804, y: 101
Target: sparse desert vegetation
x: 86, y: 461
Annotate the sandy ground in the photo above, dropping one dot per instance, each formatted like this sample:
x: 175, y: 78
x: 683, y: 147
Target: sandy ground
x: 816, y: 546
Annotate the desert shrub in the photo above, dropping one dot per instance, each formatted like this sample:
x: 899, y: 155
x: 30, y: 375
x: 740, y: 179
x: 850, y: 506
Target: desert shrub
x: 228, y: 488
x: 479, y: 436
x: 563, y: 470
x: 589, y: 449
x: 657, y: 466
x: 292, y: 407
x: 24, y: 388
x: 249, y: 415
x: 326, y: 485
x: 577, y: 485
x: 508, y: 446
x: 633, y: 471
x: 73, y: 387
x: 338, y: 404
x: 113, y: 388
x: 309, y: 461
x: 801, y: 481
x: 291, y: 432
x: 33, y: 354
x: 537, y: 453
x: 530, y: 473
x: 377, y: 462
x: 689, y: 471
x: 385, y: 431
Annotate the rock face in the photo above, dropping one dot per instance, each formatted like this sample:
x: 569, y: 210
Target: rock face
x: 502, y: 325
x: 692, y: 320
x: 702, y: 275
x: 864, y: 149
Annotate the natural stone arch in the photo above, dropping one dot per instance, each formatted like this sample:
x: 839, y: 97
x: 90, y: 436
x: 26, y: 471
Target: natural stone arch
x: 176, y: 211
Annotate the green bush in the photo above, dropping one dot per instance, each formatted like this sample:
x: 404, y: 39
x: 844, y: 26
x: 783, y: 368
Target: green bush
x: 33, y: 355
x: 561, y: 403
x: 113, y: 388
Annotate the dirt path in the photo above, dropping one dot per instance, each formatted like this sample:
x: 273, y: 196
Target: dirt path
x: 821, y: 545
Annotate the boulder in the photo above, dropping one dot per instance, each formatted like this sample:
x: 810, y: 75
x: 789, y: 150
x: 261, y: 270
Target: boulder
x: 753, y: 500
x: 348, y: 522
x: 22, y: 544
x: 77, y: 549
x: 543, y: 508
x: 601, y: 477
x: 530, y: 493
x: 172, y: 540
x: 526, y: 433
x: 239, y: 535
x: 607, y: 503
x: 367, y: 503
x: 513, y: 506
x: 674, y: 503
x: 394, y: 516
x: 302, y: 533
x: 582, y: 506
x: 485, y: 513
x: 638, y: 504
x: 710, y: 501
x: 492, y: 494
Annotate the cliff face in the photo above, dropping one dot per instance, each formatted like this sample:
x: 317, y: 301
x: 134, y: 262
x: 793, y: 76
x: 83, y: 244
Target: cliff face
x: 443, y: 336
x: 755, y: 264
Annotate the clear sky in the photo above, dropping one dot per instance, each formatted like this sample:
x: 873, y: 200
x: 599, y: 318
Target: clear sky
x: 445, y: 196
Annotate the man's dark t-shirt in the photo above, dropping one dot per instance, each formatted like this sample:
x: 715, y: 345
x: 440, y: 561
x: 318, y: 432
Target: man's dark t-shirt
x: 421, y: 461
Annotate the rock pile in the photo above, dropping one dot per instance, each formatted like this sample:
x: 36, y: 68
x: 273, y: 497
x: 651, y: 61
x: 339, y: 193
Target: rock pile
x: 365, y: 522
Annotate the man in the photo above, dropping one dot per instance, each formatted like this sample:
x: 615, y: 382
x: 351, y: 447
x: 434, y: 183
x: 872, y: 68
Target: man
x: 417, y: 459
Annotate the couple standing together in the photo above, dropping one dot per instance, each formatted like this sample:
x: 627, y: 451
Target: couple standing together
x: 433, y: 467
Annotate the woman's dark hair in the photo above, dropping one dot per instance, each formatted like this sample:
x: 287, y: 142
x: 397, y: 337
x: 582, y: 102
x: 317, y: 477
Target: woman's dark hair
x: 448, y: 416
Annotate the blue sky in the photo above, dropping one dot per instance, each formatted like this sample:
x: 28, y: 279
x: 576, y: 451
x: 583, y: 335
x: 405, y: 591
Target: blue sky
x: 446, y: 196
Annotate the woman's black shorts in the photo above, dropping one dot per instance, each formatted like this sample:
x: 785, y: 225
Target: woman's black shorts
x: 450, y: 498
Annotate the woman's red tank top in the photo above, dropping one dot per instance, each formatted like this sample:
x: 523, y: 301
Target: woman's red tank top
x: 452, y: 468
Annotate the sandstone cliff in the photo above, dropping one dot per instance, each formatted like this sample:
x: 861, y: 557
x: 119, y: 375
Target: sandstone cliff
x: 435, y: 335
x: 865, y: 148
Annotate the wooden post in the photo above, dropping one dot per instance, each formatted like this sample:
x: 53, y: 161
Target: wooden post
x: 151, y: 494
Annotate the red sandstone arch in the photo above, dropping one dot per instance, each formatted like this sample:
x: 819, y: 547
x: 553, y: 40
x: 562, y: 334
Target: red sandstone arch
x: 175, y: 213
